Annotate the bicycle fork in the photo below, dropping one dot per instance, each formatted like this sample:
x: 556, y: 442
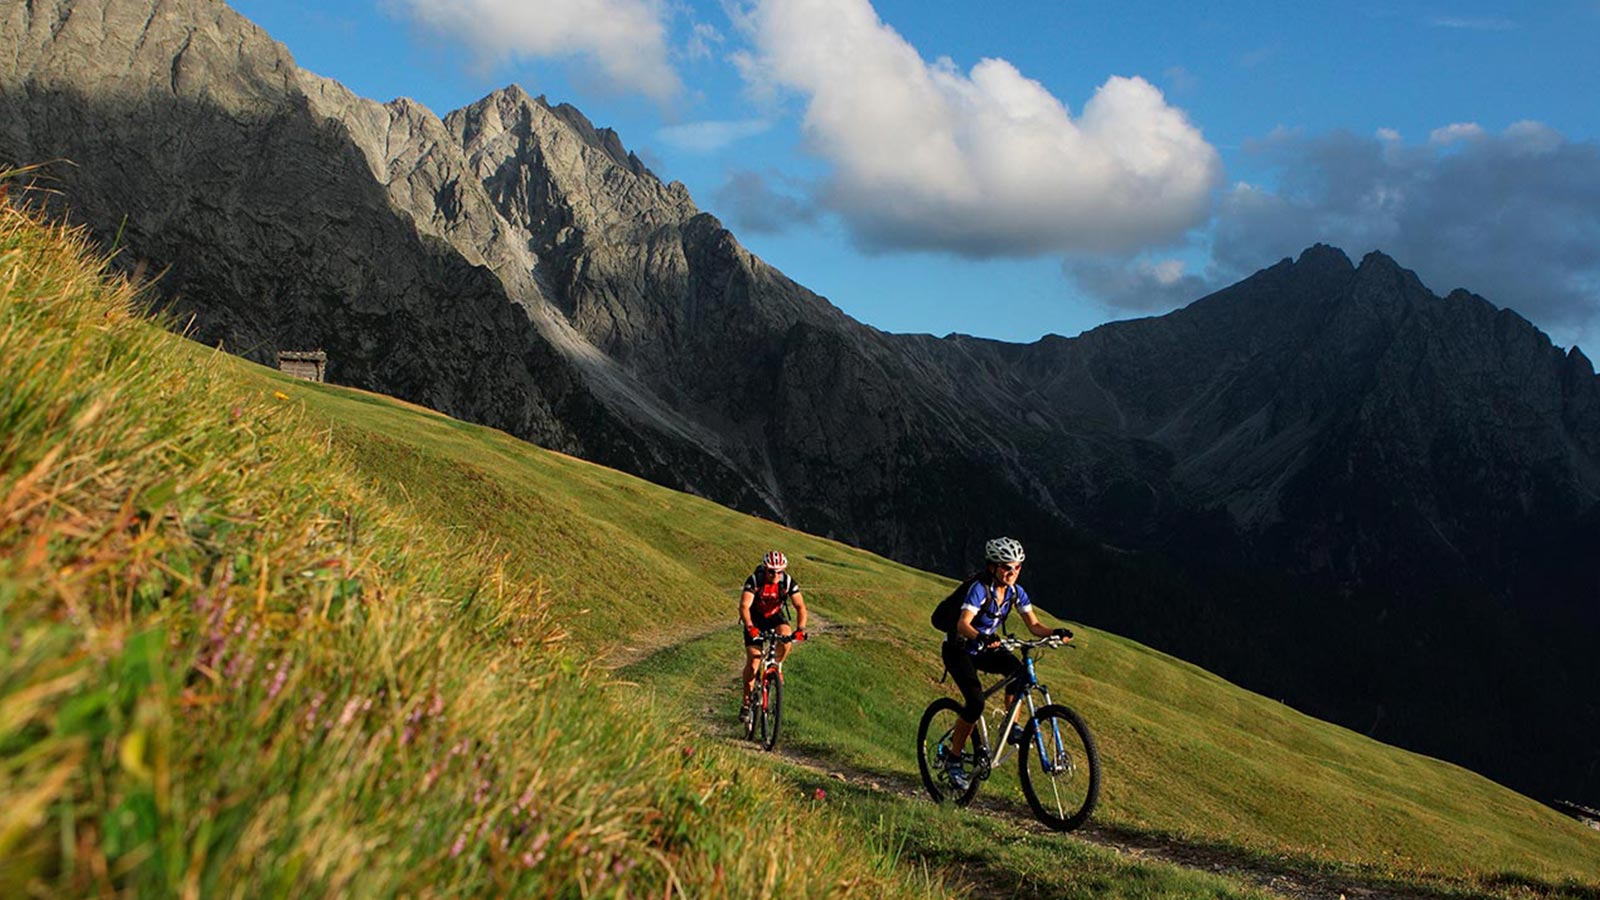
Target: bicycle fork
x: 773, y: 671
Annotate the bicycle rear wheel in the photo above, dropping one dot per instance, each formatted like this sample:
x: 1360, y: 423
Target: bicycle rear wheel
x: 1059, y: 768
x: 772, y: 711
x: 934, y: 756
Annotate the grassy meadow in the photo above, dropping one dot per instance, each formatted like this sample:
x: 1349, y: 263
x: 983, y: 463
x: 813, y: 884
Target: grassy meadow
x: 262, y: 637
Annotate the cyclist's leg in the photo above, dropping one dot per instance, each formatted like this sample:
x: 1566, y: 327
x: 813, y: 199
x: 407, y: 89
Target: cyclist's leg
x: 783, y: 628
x: 1001, y: 662
x: 752, y: 658
x: 752, y: 649
x: 962, y: 672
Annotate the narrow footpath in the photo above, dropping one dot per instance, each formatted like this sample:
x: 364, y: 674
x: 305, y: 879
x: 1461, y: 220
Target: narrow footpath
x: 1281, y: 880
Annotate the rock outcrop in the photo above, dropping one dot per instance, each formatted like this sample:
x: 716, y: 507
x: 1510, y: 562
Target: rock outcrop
x: 1320, y: 444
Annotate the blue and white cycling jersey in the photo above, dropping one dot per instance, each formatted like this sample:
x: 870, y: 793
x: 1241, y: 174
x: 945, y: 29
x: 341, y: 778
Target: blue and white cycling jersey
x: 990, y: 613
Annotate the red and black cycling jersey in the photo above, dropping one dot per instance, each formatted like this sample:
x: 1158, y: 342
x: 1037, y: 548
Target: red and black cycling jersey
x: 770, y: 596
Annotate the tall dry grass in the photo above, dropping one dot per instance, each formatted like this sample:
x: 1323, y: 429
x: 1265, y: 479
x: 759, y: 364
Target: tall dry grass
x: 227, y: 668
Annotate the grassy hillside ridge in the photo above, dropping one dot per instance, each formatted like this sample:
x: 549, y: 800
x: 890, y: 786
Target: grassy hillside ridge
x: 228, y: 667
x: 1190, y: 754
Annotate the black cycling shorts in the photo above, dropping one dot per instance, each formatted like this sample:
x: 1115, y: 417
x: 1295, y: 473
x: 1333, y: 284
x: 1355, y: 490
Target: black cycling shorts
x: 964, y: 668
x: 763, y: 624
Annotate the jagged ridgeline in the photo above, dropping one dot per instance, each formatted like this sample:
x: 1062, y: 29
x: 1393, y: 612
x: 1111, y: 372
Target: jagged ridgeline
x: 1325, y: 482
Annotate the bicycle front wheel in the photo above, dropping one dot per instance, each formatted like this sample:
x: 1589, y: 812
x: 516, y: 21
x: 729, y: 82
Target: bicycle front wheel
x: 1059, y: 768
x: 755, y: 710
x: 772, y: 711
x: 934, y: 756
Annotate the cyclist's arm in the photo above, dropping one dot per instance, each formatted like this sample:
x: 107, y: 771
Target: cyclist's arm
x: 1038, y: 628
x: 964, y: 624
x: 799, y: 610
x: 745, y: 599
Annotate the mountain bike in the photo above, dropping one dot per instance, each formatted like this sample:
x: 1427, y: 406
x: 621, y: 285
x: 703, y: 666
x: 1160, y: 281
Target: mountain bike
x: 1057, y: 762
x: 766, y: 698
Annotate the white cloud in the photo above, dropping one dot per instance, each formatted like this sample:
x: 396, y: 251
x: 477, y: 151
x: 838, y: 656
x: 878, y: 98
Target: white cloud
x: 982, y: 163
x: 709, y: 137
x: 1459, y: 131
x: 763, y: 203
x: 701, y: 39
x: 628, y: 38
x: 1140, y: 286
x: 1513, y: 216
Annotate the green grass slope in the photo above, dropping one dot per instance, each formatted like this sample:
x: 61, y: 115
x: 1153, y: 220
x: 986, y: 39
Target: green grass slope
x: 262, y: 636
x: 228, y: 667
x: 1188, y: 754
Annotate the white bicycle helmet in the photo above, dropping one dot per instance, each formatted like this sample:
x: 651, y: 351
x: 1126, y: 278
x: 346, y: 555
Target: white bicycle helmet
x: 775, y: 561
x: 1003, y: 550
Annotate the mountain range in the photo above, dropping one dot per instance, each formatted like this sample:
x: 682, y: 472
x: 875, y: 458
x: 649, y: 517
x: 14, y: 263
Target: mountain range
x: 1325, y: 482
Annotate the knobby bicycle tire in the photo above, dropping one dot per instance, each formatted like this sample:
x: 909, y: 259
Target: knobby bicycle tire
x: 758, y: 713
x: 1064, y: 789
x: 774, y: 711
x: 933, y: 732
x: 750, y: 722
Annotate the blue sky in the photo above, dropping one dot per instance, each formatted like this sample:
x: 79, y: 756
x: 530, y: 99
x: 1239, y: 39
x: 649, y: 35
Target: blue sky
x: 1010, y: 170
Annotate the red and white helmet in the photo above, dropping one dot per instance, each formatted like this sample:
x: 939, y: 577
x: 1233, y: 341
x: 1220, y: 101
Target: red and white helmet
x: 775, y: 561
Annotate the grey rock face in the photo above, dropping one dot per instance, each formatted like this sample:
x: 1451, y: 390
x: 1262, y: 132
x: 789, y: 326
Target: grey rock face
x: 1319, y: 435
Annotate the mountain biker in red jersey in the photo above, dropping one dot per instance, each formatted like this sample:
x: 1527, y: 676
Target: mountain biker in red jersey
x: 974, y: 645
x: 761, y: 607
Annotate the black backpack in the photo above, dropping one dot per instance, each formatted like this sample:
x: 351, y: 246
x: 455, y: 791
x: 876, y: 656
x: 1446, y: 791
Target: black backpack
x: 948, y: 611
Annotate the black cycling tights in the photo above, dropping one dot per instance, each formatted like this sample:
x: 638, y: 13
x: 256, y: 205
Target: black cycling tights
x: 964, y: 668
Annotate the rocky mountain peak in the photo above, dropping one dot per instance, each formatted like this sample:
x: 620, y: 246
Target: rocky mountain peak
x: 604, y: 138
x: 1578, y: 363
x: 1324, y: 258
x: 1378, y: 268
x: 550, y: 170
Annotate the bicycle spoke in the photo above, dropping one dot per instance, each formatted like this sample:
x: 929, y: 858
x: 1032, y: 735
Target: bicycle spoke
x: 934, y: 758
x: 1059, y: 768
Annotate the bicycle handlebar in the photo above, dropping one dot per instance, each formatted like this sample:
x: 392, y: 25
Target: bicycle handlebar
x: 1011, y: 643
x: 769, y: 633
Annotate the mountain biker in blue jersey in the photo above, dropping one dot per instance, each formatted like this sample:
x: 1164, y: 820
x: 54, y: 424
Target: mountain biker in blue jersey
x: 767, y: 592
x: 974, y: 644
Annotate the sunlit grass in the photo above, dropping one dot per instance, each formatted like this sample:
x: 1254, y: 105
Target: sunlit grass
x: 229, y: 666
x: 1187, y: 754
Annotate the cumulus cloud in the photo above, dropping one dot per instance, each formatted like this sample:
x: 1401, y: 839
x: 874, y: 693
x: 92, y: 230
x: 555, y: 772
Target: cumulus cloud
x: 1513, y: 216
x: 702, y: 39
x: 1459, y: 131
x: 750, y: 201
x: 627, y: 38
x: 1140, y: 286
x: 980, y: 163
x: 709, y: 137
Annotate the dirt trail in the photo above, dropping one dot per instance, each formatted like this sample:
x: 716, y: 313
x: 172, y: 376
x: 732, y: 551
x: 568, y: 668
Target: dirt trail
x: 622, y: 655
x: 1279, y: 879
